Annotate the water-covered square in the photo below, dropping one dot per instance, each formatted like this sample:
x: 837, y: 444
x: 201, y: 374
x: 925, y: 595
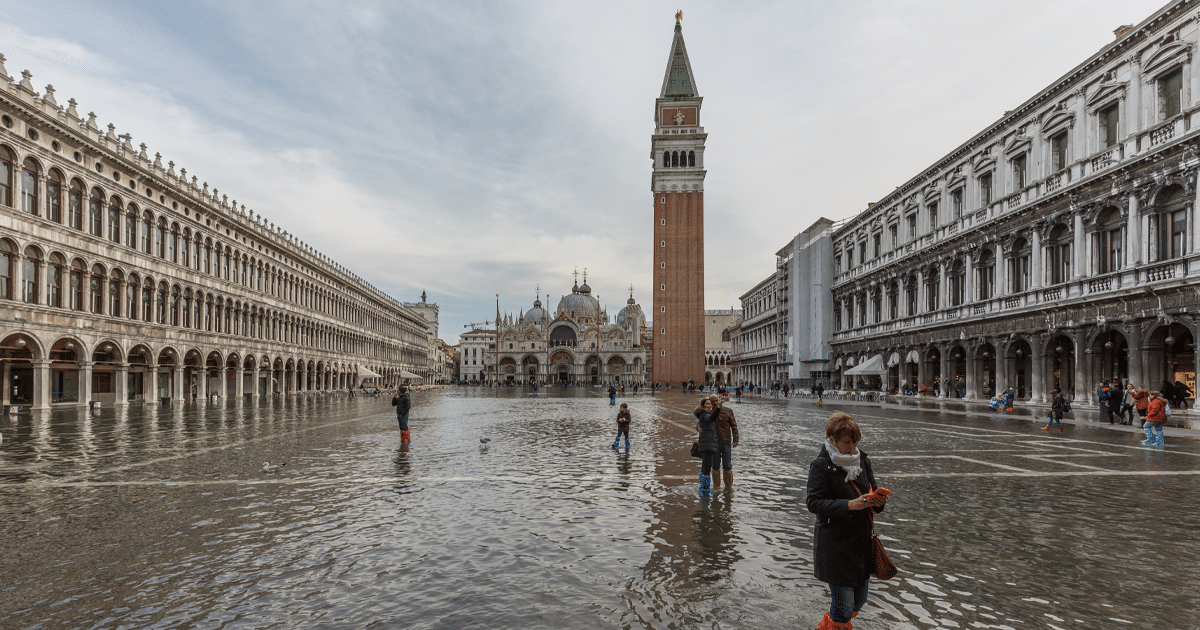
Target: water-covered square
x: 159, y: 517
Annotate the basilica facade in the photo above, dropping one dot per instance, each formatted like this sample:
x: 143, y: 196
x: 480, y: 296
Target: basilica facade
x: 575, y: 343
x: 1054, y: 249
x: 122, y: 279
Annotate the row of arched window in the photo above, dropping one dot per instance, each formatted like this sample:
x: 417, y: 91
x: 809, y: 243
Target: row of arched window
x: 68, y: 202
x: 57, y: 282
x: 1168, y: 239
x: 679, y: 158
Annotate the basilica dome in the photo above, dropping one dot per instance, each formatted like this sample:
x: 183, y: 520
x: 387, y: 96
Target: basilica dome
x: 535, y: 315
x: 579, y: 302
x: 631, y: 315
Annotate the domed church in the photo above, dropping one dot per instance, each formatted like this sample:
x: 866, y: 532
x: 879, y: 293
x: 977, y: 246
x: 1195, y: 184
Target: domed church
x: 575, y: 343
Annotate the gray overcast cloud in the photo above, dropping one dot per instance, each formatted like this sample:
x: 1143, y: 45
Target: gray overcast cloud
x: 477, y: 148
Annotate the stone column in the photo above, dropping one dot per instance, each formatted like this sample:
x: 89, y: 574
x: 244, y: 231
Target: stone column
x: 201, y: 382
x: 239, y: 383
x: 122, y: 387
x: 1083, y: 373
x: 177, y: 388
x: 972, y: 385
x: 946, y: 368
x: 41, y: 384
x: 1135, y: 247
x: 1038, y: 365
x: 943, y: 284
x: 85, y: 383
x: 1080, y: 249
x: 920, y: 295
x: 1035, y: 260
x: 969, y: 283
x: 254, y: 384
x: 6, y: 383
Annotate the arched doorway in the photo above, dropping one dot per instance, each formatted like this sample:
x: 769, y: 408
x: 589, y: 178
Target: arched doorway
x: 933, y: 371
x: 985, y: 370
x: 1172, y: 359
x: 958, y: 372
x: 17, y: 353
x: 1060, y: 365
x: 1020, y: 357
x: 1110, y: 356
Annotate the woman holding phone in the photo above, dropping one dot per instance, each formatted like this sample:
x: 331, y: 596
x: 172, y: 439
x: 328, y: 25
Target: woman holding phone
x: 842, y: 492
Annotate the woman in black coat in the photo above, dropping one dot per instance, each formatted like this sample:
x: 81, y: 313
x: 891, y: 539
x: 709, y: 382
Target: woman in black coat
x: 842, y: 493
x: 709, y: 442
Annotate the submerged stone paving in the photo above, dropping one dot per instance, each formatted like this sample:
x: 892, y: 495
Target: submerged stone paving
x: 163, y: 516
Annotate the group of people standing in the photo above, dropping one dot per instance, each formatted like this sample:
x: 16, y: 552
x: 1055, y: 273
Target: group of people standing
x: 718, y: 435
x: 1119, y: 403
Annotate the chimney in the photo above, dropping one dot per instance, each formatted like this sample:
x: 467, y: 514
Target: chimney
x: 1121, y: 30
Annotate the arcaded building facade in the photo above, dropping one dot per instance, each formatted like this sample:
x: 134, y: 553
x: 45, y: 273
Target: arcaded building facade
x: 1056, y: 248
x: 122, y: 279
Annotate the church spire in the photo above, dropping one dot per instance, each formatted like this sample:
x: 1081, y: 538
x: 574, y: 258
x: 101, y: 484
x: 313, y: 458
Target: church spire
x: 679, y: 81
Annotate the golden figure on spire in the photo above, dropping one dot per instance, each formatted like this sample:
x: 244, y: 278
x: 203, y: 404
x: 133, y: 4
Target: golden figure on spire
x: 679, y: 16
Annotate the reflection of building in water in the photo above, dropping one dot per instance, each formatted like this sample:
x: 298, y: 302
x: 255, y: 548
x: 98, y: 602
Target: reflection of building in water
x: 1055, y: 248
x: 123, y: 280
x: 576, y: 343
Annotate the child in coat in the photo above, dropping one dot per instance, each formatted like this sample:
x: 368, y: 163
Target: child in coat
x: 623, y: 421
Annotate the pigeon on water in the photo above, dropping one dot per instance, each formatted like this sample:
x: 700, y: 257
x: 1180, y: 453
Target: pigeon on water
x: 484, y: 440
x: 268, y: 467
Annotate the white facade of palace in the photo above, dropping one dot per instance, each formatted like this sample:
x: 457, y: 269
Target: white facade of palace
x: 122, y: 279
x: 1057, y: 247
x: 576, y: 343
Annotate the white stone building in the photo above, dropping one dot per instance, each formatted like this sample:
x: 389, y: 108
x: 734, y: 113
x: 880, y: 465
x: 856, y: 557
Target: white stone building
x: 476, y: 352
x: 804, y: 277
x: 1055, y: 248
x: 756, y: 337
x: 122, y: 279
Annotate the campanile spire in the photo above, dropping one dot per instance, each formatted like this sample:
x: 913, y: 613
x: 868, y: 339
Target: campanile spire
x: 677, y: 184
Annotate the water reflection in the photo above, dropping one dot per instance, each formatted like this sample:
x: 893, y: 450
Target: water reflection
x: 145, y: 516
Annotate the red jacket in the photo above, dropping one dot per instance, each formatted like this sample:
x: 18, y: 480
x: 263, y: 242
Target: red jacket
x: 1142, y: 398
x: 1158, y: 411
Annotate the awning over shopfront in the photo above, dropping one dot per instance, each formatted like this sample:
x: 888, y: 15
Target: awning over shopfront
x: 405, y: 374
x: 870, y: 367
x: 838, y: 365
x: 365, y: 372
x: 894, y: 359
x: 849, y: 361
x: 913, y: 357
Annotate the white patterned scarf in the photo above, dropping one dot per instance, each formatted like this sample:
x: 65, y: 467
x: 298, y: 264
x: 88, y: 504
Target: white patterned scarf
x: 851, y: 463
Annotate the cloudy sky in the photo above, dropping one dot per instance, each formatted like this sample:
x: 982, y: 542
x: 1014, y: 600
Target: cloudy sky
x: 475, y: 148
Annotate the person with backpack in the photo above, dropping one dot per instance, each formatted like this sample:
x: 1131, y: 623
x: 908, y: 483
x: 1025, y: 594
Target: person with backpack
x: 403, y: 403
x: 1058, y: 407
x: 1156, y: 416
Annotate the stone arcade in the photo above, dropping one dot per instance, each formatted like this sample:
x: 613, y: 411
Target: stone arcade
x: 124, y: 280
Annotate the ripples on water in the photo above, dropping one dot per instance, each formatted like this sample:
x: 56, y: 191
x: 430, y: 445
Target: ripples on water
x: 161, y: 517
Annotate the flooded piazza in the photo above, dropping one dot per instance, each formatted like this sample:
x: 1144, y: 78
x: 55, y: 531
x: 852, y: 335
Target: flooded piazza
x: 162, y: 517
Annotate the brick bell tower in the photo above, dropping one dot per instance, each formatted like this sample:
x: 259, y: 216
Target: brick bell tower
x: 677, y: 148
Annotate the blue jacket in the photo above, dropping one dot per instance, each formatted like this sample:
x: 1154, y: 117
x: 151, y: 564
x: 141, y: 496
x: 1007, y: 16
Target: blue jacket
x: 842, y: 540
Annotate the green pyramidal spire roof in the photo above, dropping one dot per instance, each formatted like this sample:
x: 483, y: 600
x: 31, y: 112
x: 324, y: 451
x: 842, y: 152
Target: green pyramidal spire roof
x: 679, y: 81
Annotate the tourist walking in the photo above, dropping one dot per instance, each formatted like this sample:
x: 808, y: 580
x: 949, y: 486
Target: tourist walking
x: 1180, y: 393
x: 1116, y: 394
x: 1156, y: 416
x: 819, y: 390
x: 1057, y: 408
x: 403, y: 404
x: 708, y: 443
x: 842, y: 492
x: 1008, y: 398
x: 1128, y: 400
x: 612, y: 395
x: 727, y: 432
x: 623, y: 421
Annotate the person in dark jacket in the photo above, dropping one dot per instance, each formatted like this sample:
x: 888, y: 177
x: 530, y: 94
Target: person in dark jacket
x: 612, y: 395
x: 1057, y: 405
x: 624, y: 419
x: 1116, y: 394
x: 842, y: 492
x: 708, y: 442
x: 403, y: 404
x: 727, y: 431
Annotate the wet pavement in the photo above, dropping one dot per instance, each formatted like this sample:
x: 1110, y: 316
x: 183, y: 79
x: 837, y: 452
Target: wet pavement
x: 161, y: 517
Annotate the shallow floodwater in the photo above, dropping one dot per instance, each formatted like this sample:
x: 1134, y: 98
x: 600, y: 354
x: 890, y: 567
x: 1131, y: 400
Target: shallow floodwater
x: 161, y: 517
